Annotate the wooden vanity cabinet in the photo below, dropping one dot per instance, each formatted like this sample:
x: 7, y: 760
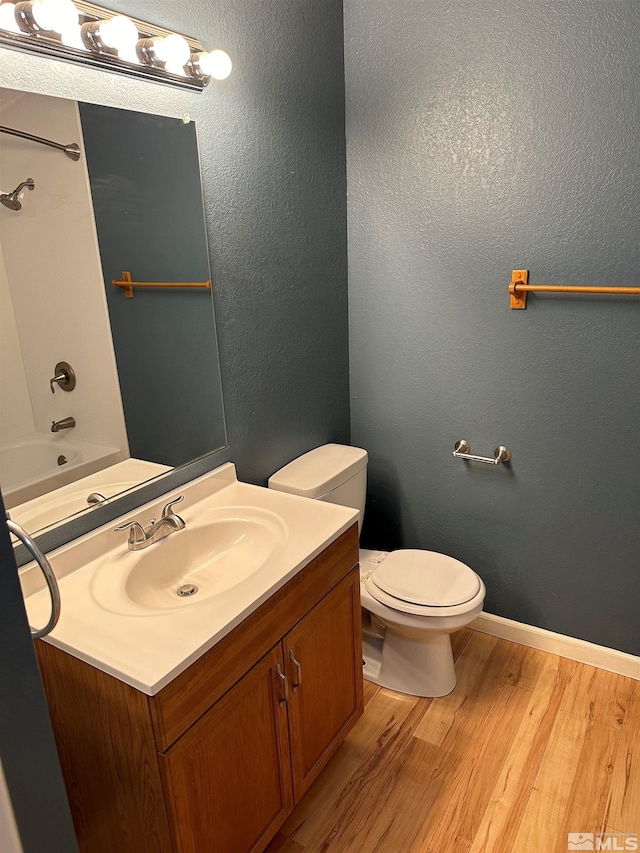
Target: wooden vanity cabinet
x: 228, y: 778
x: 236, y: 773
x: 324, y: 666
x: 217, y: 759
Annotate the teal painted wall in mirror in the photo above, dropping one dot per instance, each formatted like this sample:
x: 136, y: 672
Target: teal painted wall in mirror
x: 147, y: 201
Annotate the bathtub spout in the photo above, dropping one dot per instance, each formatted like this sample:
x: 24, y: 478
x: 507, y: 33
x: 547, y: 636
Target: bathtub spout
x: 65, y: 423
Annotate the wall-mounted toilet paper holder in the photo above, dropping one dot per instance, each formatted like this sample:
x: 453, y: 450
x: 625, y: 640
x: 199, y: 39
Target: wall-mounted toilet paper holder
x: 463, y: 451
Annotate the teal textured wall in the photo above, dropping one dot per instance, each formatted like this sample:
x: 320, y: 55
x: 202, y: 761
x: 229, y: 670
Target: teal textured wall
x: 484, y: 137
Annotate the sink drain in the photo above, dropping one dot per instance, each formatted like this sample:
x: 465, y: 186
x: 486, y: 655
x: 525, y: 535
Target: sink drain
x: 187, y: 589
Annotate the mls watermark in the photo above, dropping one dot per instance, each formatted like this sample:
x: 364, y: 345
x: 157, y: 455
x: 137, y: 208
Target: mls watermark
x: 602, y: 841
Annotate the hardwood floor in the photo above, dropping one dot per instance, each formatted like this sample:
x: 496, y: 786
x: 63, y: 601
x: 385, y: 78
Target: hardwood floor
x: 527, y: 748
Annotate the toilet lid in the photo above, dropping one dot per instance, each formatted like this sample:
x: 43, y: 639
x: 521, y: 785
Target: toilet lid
x: 426, y: 578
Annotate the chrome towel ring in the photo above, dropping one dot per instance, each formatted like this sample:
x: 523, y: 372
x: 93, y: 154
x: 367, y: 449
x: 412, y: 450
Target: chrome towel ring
x: 49, y: 576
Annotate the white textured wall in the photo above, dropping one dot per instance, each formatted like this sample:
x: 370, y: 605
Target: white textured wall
x: 16, y: 416
x: 54, y: 273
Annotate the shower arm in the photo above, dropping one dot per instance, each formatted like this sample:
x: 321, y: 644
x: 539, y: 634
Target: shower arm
x: 72, y: 150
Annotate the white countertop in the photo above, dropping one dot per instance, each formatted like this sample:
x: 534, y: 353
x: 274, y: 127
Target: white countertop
x: 147, y: 648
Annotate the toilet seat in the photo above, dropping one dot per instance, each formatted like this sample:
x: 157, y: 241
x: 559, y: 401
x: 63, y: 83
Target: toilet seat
x: 425, y: 583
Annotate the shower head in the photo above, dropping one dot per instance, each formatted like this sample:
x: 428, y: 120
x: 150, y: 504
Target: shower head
x: 12, y: 200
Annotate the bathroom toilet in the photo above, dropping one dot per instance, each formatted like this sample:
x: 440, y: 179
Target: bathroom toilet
x: 412, y: 600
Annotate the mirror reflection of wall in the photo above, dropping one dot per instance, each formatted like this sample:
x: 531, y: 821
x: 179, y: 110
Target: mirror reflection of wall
x: 147, y: 394
x: 145, y: 183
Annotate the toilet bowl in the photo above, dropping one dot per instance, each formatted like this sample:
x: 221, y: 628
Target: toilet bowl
x: 412, y: 600
x: 406, y: 645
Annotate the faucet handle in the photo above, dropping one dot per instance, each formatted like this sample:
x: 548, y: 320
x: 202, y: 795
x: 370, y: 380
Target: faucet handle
x: 65, y: 377
x: 60, y: 377
x: 167, y: 512
x: 136, y: 532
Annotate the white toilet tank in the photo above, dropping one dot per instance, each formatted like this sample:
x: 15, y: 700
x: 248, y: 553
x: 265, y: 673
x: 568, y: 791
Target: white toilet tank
x: 333, y: 472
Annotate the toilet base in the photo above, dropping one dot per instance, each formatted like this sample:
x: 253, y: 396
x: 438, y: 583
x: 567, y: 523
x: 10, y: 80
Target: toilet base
x: 421, y: 667
x: 371, y: 659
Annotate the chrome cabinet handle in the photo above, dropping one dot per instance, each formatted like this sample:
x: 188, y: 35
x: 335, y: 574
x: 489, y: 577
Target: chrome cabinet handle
x: 283, y: 683
x: 298, y: 682
x: 47, y: 571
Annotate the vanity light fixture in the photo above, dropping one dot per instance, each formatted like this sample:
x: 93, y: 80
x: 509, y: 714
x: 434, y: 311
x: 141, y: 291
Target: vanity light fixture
x: 90, y: 34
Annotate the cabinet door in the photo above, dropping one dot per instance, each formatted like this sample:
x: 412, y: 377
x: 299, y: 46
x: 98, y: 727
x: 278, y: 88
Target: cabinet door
x: 324, y: 664
x: 228, y: 778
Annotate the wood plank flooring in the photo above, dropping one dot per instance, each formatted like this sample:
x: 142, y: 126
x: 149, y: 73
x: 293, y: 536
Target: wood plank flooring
x: 527, y: 748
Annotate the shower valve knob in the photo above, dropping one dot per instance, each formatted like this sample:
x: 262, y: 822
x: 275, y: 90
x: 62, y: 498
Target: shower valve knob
x: 65, y: 377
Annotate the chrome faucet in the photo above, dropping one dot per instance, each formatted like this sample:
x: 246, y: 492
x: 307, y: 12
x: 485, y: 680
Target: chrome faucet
x: 65, y: 423
x: 141, y: 537
x: 96, y: 498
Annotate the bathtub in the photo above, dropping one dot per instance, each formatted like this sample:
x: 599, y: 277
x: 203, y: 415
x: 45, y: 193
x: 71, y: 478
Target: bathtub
x: 36, y: 464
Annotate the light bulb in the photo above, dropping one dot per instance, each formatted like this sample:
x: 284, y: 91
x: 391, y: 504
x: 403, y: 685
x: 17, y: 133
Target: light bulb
x: 121, y: 34
x: 174, y: 51
x: 72, y: 37
x: 41, y: 14
x: 216, y: 64
x: 8, y: 21
x: 61, y: 15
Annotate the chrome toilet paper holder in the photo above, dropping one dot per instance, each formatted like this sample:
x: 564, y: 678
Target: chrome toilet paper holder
x: 463, y: 451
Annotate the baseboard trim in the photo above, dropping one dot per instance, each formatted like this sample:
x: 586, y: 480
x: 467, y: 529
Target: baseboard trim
x: 558, y: 644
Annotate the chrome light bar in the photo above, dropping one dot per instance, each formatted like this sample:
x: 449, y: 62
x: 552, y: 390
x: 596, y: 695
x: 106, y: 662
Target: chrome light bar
x: 92, y: 35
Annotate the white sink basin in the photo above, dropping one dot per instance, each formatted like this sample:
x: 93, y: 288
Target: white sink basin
x: 209, y: 558
x: 120, y: 608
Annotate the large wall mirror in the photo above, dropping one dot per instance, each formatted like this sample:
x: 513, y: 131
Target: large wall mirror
x: 102, y: 387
